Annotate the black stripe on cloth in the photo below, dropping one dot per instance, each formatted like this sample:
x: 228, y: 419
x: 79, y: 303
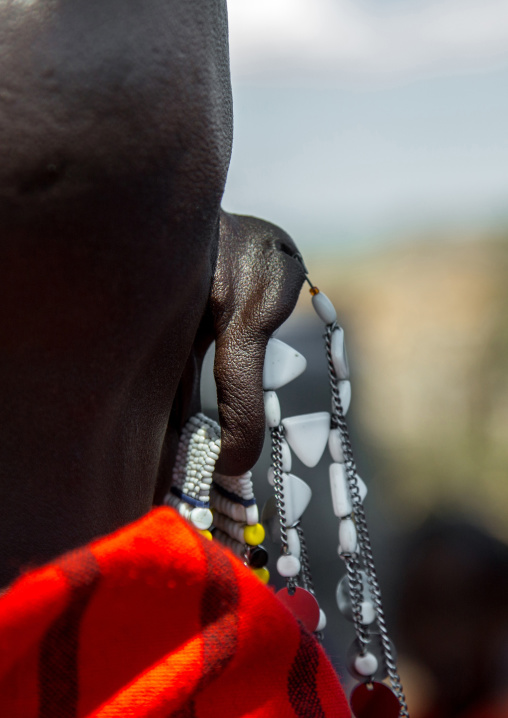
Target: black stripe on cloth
x: 58, y: 656
x: 187, y: 711
x: 219, y: 621
x: 302, y: 679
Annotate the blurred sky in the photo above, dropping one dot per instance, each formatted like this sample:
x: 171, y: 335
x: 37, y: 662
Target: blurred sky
x: 362, y: 120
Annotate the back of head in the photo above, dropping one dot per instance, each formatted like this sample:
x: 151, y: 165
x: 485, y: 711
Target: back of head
x: 115, y: 137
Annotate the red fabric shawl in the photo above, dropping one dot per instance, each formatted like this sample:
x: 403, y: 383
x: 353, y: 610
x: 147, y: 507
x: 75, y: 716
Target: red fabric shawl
x: 156, y: 620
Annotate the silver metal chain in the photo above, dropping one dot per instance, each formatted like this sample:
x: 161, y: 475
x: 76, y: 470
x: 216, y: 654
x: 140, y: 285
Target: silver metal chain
x: 305, y: 573
x: 352, y: 562
x: 277, y: 434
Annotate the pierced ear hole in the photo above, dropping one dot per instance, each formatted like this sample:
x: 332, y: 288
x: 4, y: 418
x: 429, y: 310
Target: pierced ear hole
x: 286, y: 248
x: 290, y: 251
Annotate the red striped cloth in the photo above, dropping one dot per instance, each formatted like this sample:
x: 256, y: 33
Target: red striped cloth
x: 155, y: 620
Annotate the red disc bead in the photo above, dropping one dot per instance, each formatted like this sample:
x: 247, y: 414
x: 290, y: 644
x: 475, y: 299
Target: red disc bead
x: 374, y: 700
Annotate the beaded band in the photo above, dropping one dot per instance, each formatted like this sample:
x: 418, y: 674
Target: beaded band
x: 220, y: 507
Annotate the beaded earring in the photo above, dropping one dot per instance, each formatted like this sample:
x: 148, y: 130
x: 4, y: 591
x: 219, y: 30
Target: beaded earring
x: 371, y: 658
x: 205, y: 497
x: 226, y: 506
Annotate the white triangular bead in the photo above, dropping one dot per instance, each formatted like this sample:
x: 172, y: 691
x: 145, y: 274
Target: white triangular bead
x: 339, y: 355
x: 307, y: 435
x: 282, y: 364
x: 297, y: 495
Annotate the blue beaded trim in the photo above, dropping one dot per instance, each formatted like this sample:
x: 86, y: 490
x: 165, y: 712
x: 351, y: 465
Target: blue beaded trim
x: 233, y: 497
x: 188, y: 499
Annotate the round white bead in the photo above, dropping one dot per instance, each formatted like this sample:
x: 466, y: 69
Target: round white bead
x: 322, y: 620
x: 347, y: 536
x: 324, y: 308
x: 288, y: 566
x: 201, y: 518
x: 335, y: 446
x: 368, y: 613
x: 366, y: 665
x: 272, y: 409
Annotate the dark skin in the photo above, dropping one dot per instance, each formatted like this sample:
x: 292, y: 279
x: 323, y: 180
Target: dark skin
x: 117, y: 266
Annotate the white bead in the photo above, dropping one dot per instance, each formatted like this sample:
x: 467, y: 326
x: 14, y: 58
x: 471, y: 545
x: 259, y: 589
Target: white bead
x: 366, y: 665
x: 293, y: 542
x: 340, y: 491
x: 252, y: 515
x: 322, y: 620
x: 288, y: 566
x: 201, y: 518
x: 335, y: 446
x: 297, y: 495
x: 272, y: 409
x: 345, y: 395
x: 324, y: 308
x: 347, y: 536
x: 307, y: 435
x: 282, y: 364
x: 368, y: 613
x: 339, y: 356
x: 270, y: 475
x: 286, y: 455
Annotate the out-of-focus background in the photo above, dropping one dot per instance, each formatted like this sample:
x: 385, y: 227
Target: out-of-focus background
x: 376, y: 133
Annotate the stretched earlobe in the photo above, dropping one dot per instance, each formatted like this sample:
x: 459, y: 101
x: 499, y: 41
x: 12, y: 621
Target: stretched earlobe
x: 255, y: 288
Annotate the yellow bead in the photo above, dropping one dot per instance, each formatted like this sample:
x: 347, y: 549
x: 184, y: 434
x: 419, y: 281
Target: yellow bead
x: 262, y: 573
x: 254, y: 535
x: 206, y: 534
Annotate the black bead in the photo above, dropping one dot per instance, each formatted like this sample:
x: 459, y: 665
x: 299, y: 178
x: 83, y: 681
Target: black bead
x: 258, y: 556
